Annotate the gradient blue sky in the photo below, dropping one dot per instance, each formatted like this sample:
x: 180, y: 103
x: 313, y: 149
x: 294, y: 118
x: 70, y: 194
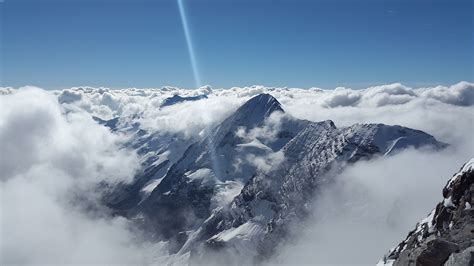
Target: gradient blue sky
x: 140, y: 43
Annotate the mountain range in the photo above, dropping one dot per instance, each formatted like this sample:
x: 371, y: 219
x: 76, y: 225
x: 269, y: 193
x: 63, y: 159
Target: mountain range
x: 237, y: 188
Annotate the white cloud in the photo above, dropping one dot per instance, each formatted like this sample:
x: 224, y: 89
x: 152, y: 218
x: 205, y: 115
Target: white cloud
x: 51, y: 148
x: 225, y: 193
x: 35, y: 131
x: 342, y: 97
x: 373, y: 205
x: 259, y: 137
x: 315, y: 104
x: 370, y: 208
x: 267, y: 132
x: 190, y: 118
x: 48, y: 158
x: 461, y: 94
x: 69, y: 96
x: 267, y: 162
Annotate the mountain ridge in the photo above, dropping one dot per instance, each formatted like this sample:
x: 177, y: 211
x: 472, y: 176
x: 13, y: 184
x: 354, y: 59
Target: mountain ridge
x: 267, y: 165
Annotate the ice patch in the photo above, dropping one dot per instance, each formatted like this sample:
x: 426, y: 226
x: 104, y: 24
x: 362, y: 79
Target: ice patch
x: 468, y: 206
x: 162, y: 157
x: 151, y: 186
x: 246, y: 231
x: 448, y: 202
x: 204, y: 175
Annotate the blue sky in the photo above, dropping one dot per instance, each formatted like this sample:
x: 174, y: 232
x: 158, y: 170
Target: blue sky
x: 141, y: 43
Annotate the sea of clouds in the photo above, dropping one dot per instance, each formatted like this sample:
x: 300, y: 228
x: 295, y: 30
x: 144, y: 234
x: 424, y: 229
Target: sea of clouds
x: 53, y: 155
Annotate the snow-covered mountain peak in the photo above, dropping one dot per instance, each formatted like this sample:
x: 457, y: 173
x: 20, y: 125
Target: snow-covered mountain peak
x: 251, y: 114
x: 250, y: 177
x: 257, y: 108
x: 262, y: 100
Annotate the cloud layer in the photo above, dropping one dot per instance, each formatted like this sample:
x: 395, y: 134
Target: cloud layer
x: 48, y: 160
x: 315, y: 104
x: 52, y: 151
x: 370, y: 208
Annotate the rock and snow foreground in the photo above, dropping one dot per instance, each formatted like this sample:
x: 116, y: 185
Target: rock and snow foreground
x: 446, y: 235
x: 234, y: 191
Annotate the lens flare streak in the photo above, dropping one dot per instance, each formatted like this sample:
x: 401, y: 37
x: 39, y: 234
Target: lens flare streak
x: 187, y: 34
x: 197, y: 80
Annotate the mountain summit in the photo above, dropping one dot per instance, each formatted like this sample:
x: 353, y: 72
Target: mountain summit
x: 253, y: 112
x: 257, y: 108
x: 239, y: 187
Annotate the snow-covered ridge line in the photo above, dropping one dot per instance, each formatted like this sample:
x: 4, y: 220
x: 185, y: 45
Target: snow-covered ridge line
x: 466, y: 167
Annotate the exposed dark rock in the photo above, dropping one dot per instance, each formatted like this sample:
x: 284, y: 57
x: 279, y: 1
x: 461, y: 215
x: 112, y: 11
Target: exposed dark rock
x: 178, y: 99
x: 448, y: 233
x: 436, y: 252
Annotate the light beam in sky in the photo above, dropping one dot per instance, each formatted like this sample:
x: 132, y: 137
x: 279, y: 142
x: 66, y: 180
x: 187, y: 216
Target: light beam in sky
x: 189, y: 42
x: 197, y: 80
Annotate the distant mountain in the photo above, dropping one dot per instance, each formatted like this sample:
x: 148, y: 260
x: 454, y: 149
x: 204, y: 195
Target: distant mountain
x: 111, y: 123
x: 446, y: 235
x: 177, y: 99
x: 238, y: 189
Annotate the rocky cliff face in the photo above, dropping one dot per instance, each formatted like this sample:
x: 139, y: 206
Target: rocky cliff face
x: 446, y: 236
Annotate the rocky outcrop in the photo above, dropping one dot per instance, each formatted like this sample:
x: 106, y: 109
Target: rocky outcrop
x: 446, y: 236
x: 178, y: 99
